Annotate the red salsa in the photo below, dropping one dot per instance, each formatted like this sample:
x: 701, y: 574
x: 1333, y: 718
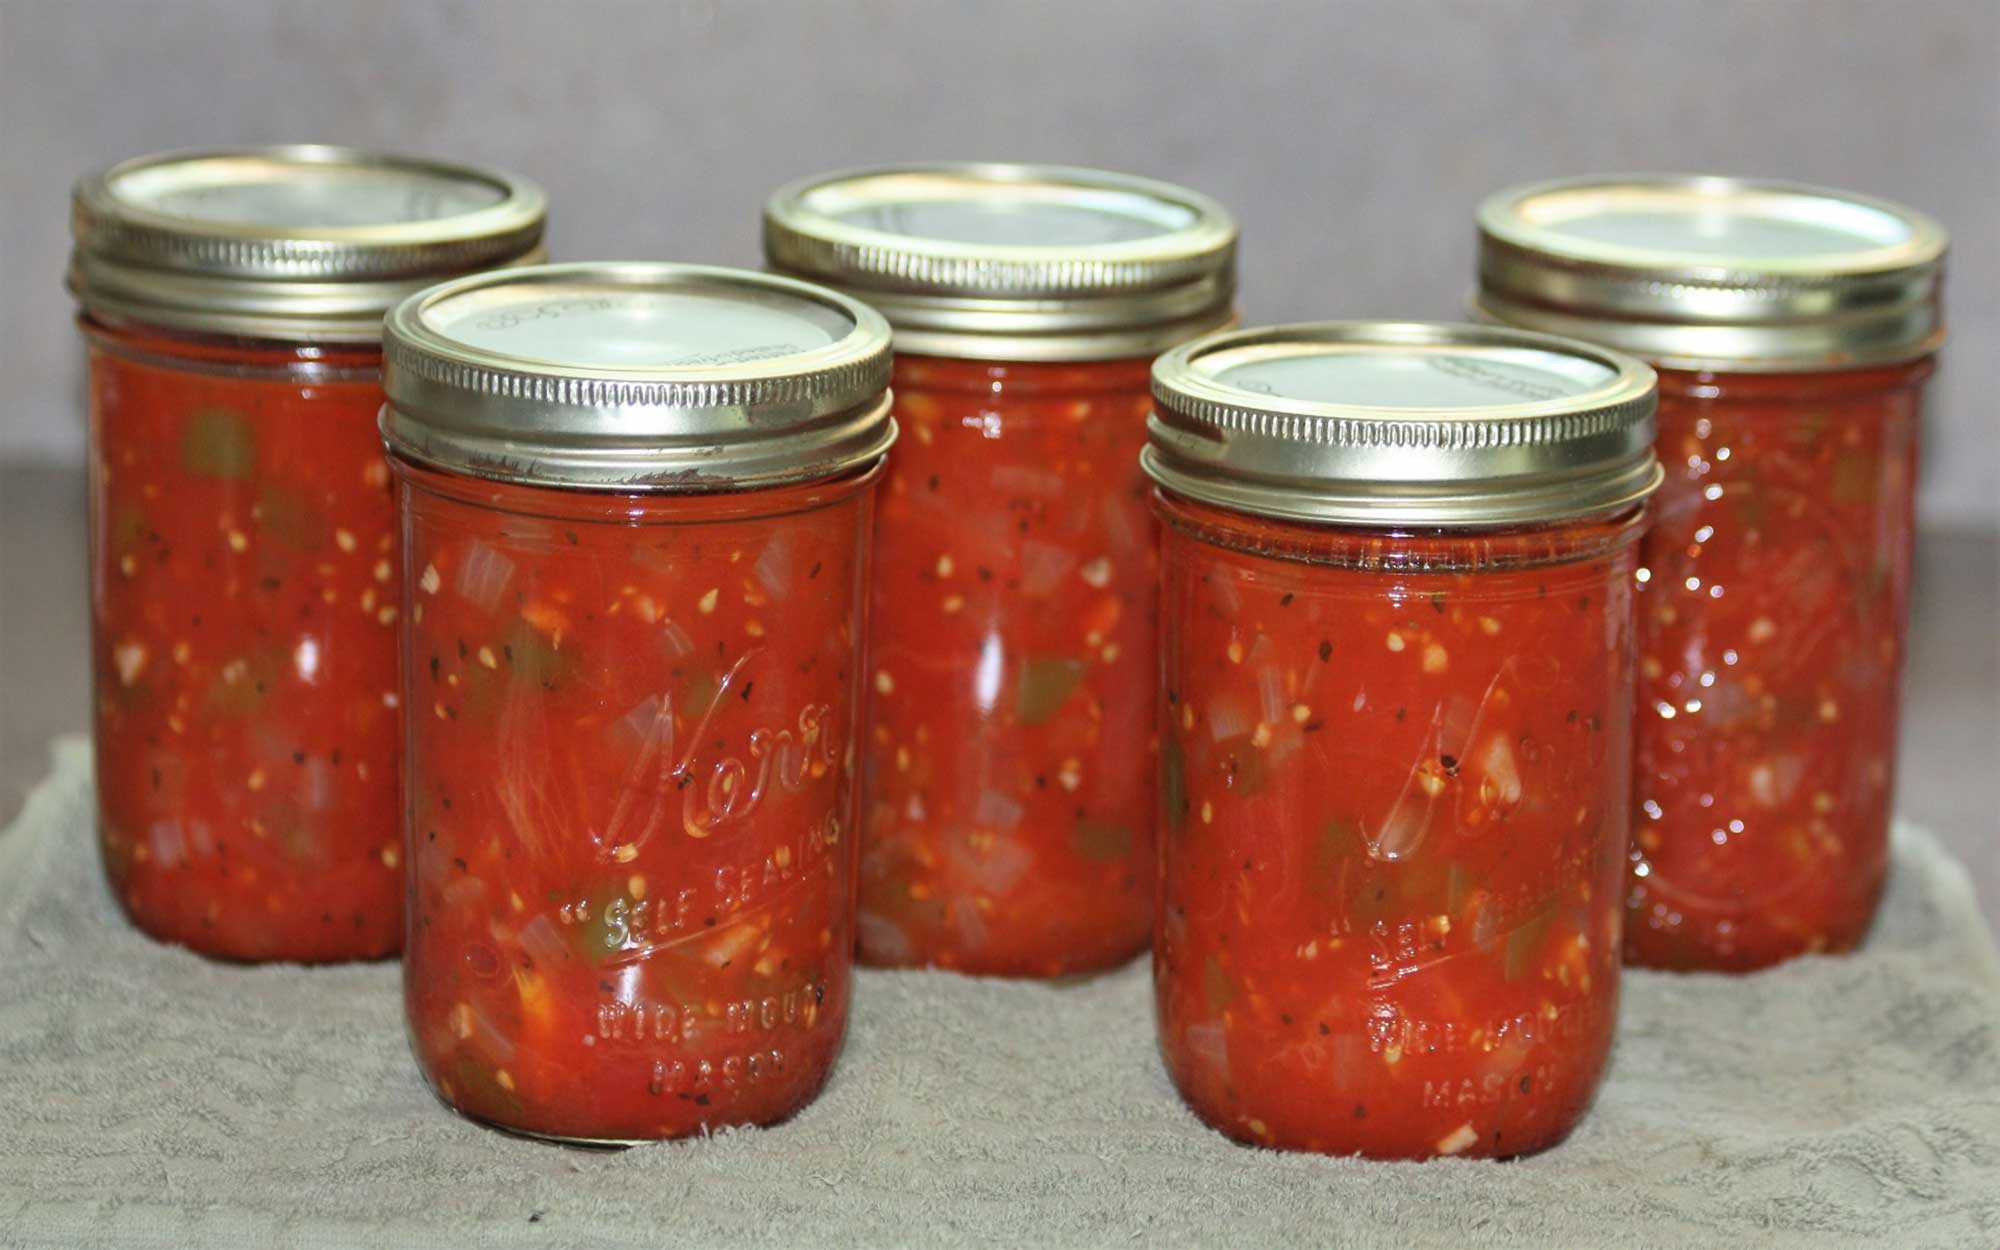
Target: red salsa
x: 631, y: 801
x: 244, y: 603
x: 1395, y: 758
x: 1394, y: 815
x: 1010, y: 805
x: 637, y: 503
x: 1794, y: 329
x: 1007, y: 823
x: 243, y: 541
x: 1773, y: 606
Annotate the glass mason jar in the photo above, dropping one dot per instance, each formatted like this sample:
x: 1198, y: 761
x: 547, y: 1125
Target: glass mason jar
x: 636, y: 501
x: 1396, y: 633
x: 243, y: 545
x: 1008, y: 798
x: 1793, y: 329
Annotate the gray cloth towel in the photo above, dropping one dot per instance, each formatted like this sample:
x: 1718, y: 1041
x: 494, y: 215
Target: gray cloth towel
x: 151, y: 1098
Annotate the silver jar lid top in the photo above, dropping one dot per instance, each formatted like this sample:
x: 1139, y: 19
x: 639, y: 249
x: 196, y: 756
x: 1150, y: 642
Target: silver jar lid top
x: 1715, y: 273
x: 636, y: 376
x: 1420, y: 424
x: 297, y: 243
x: 1013, y: 262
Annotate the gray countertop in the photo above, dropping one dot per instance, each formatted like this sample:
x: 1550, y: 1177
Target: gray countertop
x: 1950, y: 776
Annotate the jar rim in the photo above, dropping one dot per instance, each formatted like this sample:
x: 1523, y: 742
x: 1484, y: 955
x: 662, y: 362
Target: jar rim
x: 636, y: 376
x: 1700, y: 271
x: 1009, y: 261
x: 293, y: 241
x: 1403, y: 423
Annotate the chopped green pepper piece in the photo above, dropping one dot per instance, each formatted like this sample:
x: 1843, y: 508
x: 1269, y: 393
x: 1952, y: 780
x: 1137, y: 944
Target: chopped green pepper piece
x: 1221, y: 989
x: 128, y: 532
x: 1100, y: 842
x: 1457, y: 889
x: 1807, y: 428
x: 1046, y: 682
x: 1173, y: 785
x: 477, y: 1085
x: 287, y: 824
x: 286, y: 516
x: 1524, y: 943
x: 1753, y: 506
x: 698, y: 695
x: 218, y: 443
x: 1337, y: 841
x: 1852, y: 483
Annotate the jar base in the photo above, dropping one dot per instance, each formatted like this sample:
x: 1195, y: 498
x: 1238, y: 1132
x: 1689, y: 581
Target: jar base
x: 1238, y: 1133
x: 166, y: 933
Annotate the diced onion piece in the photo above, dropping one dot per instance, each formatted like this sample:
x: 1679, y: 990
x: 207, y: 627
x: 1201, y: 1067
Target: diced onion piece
x: 995, y: 810
x: 1461, y: 1138
x: 543, y: 944
x: 1123, y: 524
x: 1044, y: 566
x: 642, y: 722
x: 884, y: 940
x: 464, y: 892
x: 1500, y: 776
x: 992, y: 869
x: 1208, y: 1043
x: 1014, y: 479
x: 1775, y: 780
x: 727, y: 945
x: 496, y: 1043
x: 1271, y: 690
x: 971, y: 926
x: 773, y: 569
x: 1228, y: 718
x: 1223, y: 594
x: 317, y: 785
x: 679, y: 645
x: 538, y: 1005
x: 168, y: 845
x: 483, y: 576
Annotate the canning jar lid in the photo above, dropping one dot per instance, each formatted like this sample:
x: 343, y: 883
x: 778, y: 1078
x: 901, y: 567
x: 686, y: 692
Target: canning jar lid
x: 301, y: 243
x: 1013, y: 262
x: 1715, y: 273
x: 1394, y: 424
x: 636, y: 376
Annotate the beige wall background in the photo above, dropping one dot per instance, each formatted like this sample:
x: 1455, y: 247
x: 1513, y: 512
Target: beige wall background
x: 1352, y: 139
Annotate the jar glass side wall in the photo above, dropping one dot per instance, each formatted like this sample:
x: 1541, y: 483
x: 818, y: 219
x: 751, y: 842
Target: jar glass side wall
x: 243, y: 608
x: 1773, y: 616
x: 1009, y: 765
x: 1394, y: 797
x: 630, y: 801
